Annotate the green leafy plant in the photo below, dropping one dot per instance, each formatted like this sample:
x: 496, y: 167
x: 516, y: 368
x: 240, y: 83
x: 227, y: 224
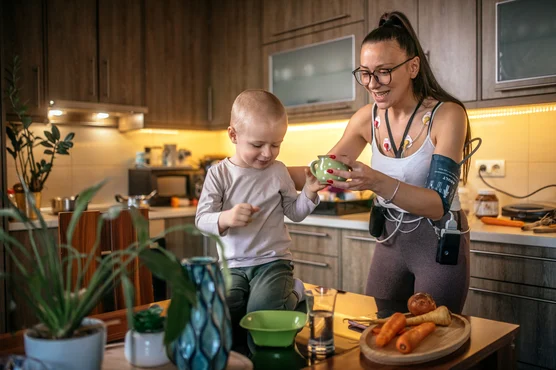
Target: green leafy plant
x: 60, y: 303
x: 33, y: 172
x: 149, y: 320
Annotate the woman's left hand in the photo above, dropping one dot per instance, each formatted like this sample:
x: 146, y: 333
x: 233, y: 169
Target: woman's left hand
x: 359, y: 178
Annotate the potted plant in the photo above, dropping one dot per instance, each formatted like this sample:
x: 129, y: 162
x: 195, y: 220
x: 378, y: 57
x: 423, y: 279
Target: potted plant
x: 66, y: 338
x: 31, y: 170
x: 144, y: 342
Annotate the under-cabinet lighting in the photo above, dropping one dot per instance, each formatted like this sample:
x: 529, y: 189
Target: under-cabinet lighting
x: 158, y: 131
x: 318, y: 126
x: 102, y: 115
x: 55, y: 112
x: 511, y: 111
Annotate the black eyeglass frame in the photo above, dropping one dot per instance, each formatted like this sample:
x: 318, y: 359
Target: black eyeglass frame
x: 389, y: 70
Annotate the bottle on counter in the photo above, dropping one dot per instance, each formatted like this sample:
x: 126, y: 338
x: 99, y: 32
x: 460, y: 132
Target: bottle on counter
x: 486, y: 204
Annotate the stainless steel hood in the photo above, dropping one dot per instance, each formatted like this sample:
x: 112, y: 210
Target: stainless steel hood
x: 123, y: 117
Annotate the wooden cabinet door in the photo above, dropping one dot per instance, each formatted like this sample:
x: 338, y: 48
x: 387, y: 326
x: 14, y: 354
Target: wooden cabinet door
x: 358, y: 248
x: 532, y: 308
x: 377, y: 8
x: 317, y: 269
x: 121, y: 52
x: 288, y: 18
x: 23, y: 31
x: 177, y: 64
x: 236, y: 55
x: 180, y: 243
x: 324, y: 109
x: 72, y: 50
x: 448, y: 34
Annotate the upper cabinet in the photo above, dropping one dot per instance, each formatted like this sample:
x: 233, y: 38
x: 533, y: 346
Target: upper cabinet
x: 177, y: 62
x: 518, y: 47
x: 121, y: 52
x: 447, y: 30
x: 289, y: 18
x: 72, y: 50
x: 311, y: 74
x: 95, y: 51
x: 236, y: 54
x: 448, y: 34
x: 23, y: 22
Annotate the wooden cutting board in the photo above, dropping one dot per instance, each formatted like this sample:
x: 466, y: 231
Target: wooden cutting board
x: 443, y: 341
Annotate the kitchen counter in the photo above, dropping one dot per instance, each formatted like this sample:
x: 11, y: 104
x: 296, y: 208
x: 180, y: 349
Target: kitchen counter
x: 356, y: 221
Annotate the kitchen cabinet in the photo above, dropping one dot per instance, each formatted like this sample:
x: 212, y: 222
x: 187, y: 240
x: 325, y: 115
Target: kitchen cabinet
x: 236, y: 54
x: 358, y: 248
x: 177, y: 62
x: 525, y: 86
x: 289, y: 18
x: 315, y: 253
x: 23, y: 23
x: 95, y: 58
x: 516, y: 284
x: 180, y: 243
x: 321, y: 75
x: 376, y: 8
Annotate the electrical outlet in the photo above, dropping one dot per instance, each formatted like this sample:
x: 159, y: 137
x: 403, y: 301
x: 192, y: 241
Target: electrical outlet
x: 494, y: 167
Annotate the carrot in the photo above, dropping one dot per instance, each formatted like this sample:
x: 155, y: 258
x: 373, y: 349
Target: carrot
x: 376, y: 329
x: 411, y: 339
x: 441, y: 316
x: 390, y: 329
x: 501, y: 222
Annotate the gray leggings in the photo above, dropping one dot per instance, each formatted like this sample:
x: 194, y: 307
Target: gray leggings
x: 406, y: 264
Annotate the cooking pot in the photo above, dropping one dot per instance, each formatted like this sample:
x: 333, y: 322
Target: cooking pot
x: 137, y: 201
x: 63, y: 204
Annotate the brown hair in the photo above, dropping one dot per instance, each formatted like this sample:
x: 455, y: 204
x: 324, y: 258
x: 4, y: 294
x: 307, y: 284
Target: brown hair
x: 396, y: 26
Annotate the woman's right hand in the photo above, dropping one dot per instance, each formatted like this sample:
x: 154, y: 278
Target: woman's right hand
x: 361, y: 176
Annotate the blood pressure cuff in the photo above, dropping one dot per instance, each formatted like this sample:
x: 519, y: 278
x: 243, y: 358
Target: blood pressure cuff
x: 444, y: 178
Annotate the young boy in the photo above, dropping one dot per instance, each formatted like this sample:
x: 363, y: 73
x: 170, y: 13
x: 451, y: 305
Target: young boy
x: 244, y: 200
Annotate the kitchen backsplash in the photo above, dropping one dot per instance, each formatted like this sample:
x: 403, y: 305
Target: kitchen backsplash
x: 525, y: 141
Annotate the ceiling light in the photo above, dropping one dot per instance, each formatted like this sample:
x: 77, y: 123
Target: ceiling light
x: 102, y: 115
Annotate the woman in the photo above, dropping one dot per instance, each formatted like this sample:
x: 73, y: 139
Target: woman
x: 417, y: 132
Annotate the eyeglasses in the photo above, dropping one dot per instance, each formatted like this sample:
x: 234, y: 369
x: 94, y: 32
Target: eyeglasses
x: 383, y: 76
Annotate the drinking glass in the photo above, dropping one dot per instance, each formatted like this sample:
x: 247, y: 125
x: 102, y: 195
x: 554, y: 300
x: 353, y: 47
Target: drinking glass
x: 17, y: 362
x: 320, y: 308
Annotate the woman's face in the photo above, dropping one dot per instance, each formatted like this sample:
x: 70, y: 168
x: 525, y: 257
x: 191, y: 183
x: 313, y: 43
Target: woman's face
x: 380, y: 56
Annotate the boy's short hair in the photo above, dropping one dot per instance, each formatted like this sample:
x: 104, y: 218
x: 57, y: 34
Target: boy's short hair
x: 256, y: 104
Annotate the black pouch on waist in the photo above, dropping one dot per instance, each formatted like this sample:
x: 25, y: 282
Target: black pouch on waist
x: 377, y: 220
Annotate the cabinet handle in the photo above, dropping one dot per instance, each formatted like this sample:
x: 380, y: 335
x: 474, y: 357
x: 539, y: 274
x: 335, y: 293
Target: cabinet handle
x: 338, y: 17
x: 107, y: 68
x: 513, y: 255
x: 93, y: 75
x: 37, y: 71
x: 512, y: 295
x: 308, y: 233
x: 105, y: 253
x: 311, y: 263
x: 209, y: 107
x: 361, y: 238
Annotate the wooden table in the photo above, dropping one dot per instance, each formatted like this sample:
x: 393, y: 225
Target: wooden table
x: 490, y: 345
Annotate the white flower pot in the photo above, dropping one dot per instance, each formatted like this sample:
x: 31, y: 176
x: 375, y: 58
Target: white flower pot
x: 148, y: 349
x: 83, y: 353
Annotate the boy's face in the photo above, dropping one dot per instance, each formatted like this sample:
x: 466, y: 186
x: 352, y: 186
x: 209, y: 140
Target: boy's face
x: 258, y: 144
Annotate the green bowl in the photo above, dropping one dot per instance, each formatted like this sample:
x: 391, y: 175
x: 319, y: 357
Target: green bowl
x: 271, y: 328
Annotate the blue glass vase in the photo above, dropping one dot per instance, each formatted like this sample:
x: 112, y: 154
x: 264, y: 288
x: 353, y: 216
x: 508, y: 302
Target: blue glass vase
x: 206, y: 341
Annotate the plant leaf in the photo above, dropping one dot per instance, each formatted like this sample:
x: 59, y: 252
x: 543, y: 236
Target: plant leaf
x: 26, y: 120
x: 48, y: 152
x: 46, y: 144
x: 178, y: 317
x: 13, y: 154
x: 82, y: 201
x: 49, y: 137
x: 55, y: 132
x: 69, y: 136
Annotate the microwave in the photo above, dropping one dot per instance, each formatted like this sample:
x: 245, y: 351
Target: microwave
x: 167, y: 181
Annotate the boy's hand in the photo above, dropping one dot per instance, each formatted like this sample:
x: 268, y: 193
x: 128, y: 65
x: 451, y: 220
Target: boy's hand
x: 238, y: 216
x: 312, y: 185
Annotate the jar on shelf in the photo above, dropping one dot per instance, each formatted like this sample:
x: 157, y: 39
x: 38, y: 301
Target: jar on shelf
x: 486, y: 204
x: 465, y: 201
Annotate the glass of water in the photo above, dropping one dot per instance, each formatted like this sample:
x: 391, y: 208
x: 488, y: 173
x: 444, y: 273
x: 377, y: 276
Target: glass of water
x: 320, y: 308
x: 17, y: 362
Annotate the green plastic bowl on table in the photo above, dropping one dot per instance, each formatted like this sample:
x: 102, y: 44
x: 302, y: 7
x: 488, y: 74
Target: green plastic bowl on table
x: 270, y: 328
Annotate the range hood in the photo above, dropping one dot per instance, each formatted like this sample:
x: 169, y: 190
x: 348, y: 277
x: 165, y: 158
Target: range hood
x: 123, y: 117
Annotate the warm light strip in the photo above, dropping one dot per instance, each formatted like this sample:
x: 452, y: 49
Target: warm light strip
x: 317, y: 126
x: 510, y: 111
x: 158, y: 131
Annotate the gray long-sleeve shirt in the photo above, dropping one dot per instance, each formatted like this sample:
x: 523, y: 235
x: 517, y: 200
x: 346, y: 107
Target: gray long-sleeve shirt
x: 266, y: 238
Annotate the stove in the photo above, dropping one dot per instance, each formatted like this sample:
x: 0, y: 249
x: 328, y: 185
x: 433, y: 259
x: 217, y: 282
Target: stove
x: 529, y: 212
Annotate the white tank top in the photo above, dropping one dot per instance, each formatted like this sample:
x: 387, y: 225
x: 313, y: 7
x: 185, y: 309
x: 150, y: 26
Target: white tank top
x: 412, y: 169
